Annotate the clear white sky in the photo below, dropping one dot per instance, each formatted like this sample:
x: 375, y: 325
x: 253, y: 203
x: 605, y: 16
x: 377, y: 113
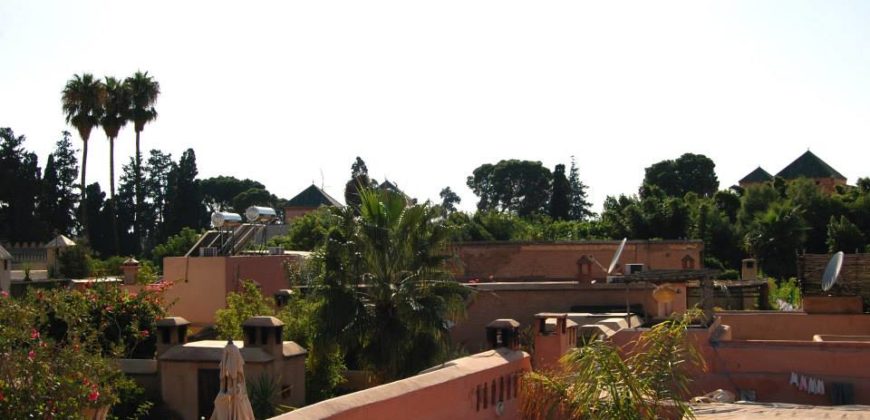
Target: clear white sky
x: 425, y: 92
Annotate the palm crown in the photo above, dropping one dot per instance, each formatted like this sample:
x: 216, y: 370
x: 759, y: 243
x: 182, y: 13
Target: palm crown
x: 117, y: 107
x: 82, y: 100
x: 144, y: 91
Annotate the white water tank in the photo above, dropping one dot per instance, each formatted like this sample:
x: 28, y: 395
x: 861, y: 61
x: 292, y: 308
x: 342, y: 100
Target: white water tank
x: 257, y: 214
x: 221, y: 219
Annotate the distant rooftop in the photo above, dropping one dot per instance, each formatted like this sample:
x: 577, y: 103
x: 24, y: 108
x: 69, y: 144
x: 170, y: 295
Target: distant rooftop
x: 808, y: 165
x: 759, y: 175
x: 313, y: 196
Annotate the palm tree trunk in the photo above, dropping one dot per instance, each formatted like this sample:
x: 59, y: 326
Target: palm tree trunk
x: 83, y: 210
x: 112, y: 200
x: 137, y: 225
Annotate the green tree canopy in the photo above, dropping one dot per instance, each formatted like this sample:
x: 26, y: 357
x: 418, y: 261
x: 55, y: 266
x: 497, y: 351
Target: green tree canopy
x: 518, y: 186
x: 220, y: 191
x: 449, y: 200
x: 688, y: 173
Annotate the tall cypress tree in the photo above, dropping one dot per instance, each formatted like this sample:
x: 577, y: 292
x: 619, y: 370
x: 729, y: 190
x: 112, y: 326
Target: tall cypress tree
x: 157, y: 171
x: 359, y: 177
x: 19, y: 190
x: 184, y: 205
x: 58, y: 192
x: 560, y: 201
x: 579, y: 205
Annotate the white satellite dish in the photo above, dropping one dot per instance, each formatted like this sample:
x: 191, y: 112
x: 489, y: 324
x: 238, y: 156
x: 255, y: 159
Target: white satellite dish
x: 616, y: 256
x: 832, y: 271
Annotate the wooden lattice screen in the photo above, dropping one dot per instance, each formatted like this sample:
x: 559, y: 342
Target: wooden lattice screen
x: 854, y: 277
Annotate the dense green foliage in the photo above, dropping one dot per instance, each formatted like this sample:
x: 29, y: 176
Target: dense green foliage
x: 380, y: 289
x: 519, y: 186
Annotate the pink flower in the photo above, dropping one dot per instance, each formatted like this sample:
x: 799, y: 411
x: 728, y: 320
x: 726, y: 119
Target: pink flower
x: 4, y: 294
x: 31, y: 355
x: 34, y: 335
x: 93, y: 395
x: 144, y: 333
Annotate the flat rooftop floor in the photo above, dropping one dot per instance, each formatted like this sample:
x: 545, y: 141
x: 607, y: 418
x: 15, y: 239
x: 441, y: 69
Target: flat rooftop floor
x: 745, y: 410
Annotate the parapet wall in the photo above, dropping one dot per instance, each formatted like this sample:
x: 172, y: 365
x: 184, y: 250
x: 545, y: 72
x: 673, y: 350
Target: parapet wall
x: 764, y: 369
x: 521, y: 301
x: 504, y: 261
x: 481, y: 386
x: 773, y: 325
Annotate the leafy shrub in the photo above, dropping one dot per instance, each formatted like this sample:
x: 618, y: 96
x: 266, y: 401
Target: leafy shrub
x: 75, y: 262
x: 176, y: 245
x: 108, y: 267
x: 788, y: 291
x: 241, y: 306
x: 307, y: 232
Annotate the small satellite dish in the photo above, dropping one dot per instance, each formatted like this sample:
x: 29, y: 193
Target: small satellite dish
x: 616, y: 256
x: 832, y: 271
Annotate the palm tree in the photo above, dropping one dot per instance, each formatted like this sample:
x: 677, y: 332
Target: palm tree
x: 117, y: 112
x: 597, y: 381
x: 82, y: 101
x: 385, y: 291
x: 143, y: 91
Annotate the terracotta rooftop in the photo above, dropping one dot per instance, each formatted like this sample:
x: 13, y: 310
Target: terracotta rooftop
x: 212, y: 351
x: 262, y: 321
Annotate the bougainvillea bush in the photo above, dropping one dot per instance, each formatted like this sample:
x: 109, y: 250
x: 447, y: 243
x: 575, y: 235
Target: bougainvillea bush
x: 57, y: 349
x: 123, y: 324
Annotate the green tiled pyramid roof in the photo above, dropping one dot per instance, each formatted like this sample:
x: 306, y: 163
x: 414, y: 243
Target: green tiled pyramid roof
x: 313, y: 197
x: 809, y: 165
x: 758, y: 175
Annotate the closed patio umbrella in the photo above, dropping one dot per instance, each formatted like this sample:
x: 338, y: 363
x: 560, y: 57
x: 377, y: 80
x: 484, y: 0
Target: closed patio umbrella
x: 232, y: 401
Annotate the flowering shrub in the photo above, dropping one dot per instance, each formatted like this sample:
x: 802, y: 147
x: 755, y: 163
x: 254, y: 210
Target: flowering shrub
x: 41, y: 377
x: 56, y: 345
x: 123, y: 323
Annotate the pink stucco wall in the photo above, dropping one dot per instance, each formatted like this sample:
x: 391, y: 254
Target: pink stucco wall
x: 473, y: 387
x: 774, y: 325
x: 561, y: 260
x: 200, y: 284
x: 778, y: 348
